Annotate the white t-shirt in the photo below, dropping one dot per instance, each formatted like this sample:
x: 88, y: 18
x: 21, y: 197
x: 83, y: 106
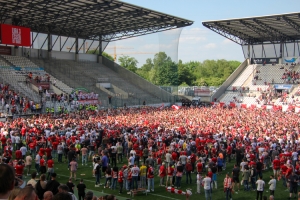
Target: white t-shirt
x: 135, y: 171
x: 206, y: 183
x: 272, y: 184
x: 260, y: 185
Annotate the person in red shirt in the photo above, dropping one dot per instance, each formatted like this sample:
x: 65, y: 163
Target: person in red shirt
x: 162, y: 174
x: 50, y: 166
x: 48, y: 151
x: 43, y: 165
x: 3, y: 141
x: 174, y: 156
x: 283, y: 169
x: 276, y: 167
x: 199, y: 167
x: 18, y: 154
x: 150, y: 176
x: 19, y: 169
x: 229, y: 152
x: 54, y: 148
x: 170, y: 172
x: 120, y: 179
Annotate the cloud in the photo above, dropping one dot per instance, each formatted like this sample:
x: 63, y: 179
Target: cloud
x: 193, y: 35
x: 210, y: 46
x: 227, y: 41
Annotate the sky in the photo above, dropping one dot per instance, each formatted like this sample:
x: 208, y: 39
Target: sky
x: 197, y: 43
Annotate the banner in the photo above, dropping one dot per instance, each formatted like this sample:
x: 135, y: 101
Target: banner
x: 15, y: 35
x: 5, y: 50
x: 264, y: 60
x: 291, y: 60
x: 88, y: 101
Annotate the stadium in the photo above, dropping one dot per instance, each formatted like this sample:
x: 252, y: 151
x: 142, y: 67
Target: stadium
x: 57, y: 95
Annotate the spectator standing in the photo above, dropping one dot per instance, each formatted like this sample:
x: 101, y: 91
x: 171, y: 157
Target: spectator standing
x: 179, y: 173
x: 162, y: 174
x: 70, y: 185
x: 81, y: 189
x: 40, y: 186
x: 84, y: 158
x: 260, y: 188
x: 114, y: 175
x: 236, y: 178
x: 143, y: 172
x: 228, y: 186
x: 150, y: 177
x: 135, y: 174
x: 120, y: 179
x: 28, y: 163
x: 207, y: 187
x: 272, y: 184
x: 53, y: 184
x: 32, y: 181
x: 293, y: 182
x: 50, y: 165
x: 73, y: 169
x: 97, y: 172
x: 199, y: 182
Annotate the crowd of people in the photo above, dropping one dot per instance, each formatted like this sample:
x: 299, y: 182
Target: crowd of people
x: 191, y: 143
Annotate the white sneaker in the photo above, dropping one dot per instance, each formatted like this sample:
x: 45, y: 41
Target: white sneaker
x: 152, y: 190
x: 96, y: 185
x: 147, y: 190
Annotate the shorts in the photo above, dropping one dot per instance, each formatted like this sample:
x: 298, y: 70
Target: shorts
x: 294, y: 189
x: 276, y: 171
x: 236, y: 179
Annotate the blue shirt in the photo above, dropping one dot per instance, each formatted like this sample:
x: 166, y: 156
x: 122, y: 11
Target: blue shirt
x: 104, y: 161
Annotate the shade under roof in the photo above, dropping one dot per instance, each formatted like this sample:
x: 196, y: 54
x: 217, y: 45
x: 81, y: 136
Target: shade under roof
x: 88, y: 19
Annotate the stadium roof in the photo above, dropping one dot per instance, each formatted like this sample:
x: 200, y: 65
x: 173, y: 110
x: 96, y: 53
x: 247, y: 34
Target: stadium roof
x: 87, y: 19
x: 257, y: 30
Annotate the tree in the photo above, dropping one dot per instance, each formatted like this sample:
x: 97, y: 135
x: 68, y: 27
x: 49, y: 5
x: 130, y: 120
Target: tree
x: 103, y: 54
x: 129, y: 63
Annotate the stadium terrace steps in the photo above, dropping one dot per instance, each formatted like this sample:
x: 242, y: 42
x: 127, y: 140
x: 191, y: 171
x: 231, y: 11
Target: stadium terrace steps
x: 240, y: 80
x: 86, y: 74
x: 19, y: 61
x: 17, y: 81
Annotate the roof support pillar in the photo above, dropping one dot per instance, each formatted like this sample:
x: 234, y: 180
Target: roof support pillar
x: 99, y: 57
x: 49, y: 44
x: 76, y: 50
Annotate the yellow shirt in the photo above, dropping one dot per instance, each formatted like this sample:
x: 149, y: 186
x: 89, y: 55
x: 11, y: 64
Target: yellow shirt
x: 143, y: 170
x: 184, y: 145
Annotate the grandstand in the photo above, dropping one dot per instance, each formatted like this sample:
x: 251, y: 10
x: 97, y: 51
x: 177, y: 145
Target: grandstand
x: 75, y: 23
x: 270, y: 72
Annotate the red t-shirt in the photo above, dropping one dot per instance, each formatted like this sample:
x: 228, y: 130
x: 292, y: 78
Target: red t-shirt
x: 174, y: 156
x: 54, y: 145
x: 276, y: 164
x: 19, y: 170
x: 170, y: 171
x: 162, y: 171
x: 150, y: 172
x: 42, y: 162
x: 18, y: 154
x: 48, y: 151
x: 120, y: 177
x: 199, y: 167
x: 50, y: 163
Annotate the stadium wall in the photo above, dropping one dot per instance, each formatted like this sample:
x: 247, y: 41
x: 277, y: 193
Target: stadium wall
x: 229, y: 80
x: 133, y: 78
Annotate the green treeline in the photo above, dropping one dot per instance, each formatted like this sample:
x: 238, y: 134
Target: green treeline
x: 161, y: 70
